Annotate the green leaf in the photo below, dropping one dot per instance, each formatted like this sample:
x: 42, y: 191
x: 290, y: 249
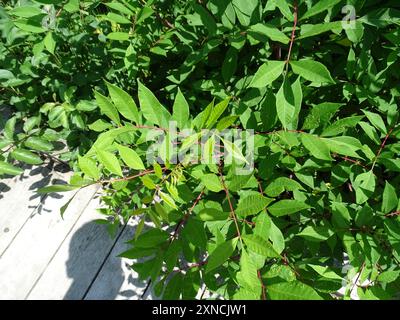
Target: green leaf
x: 151, y: 238
x: 389, y: 276
x: 190, y: 141
x: 220, y: 254
x: 267, y: 73
x: 211, y: 214
x: 317, y: 146
x: 9, y: 128
x: 26, y: 156
x: 49, y: 42
x: 66, y: 205
x: 294, y: 290
x: 124, y: 103
x: 279, y: 185
x: 248, y: 273
x: 298, y: 99
x: 180, y: 112
x: 317, y: 234
x: 287, y: 206
x: 31, y: 123
x: 216, y: 112
x: 119, y: 36
x: 39, y: 144
x: 226, y: 122
x: 260, y: 246
x: 376, y: 121
x: 245, y: 10
x: 6, y: 168
x: 145, y: 13
x: 58, y: 188
x: 341, y: 125
x: 200, y: 120
x: 233, y: 151
x: 117, y: 18
x: 172, y: 254
x: 25, y: 11
x: 174, y: 287
x: 320, y: 115
x: 167, y: 199
x: 277, y: 238
x: 89, y: 167
x: 312, y: 71
x: 230, y: 64
x: 285, y: 105
x: 152, y: 109
x: 319, y: 7
x: 252, y: 205
x: 208, y: 151
x: 364, y: 185
x: 110, y: 162
x: 389, y: 198
x: 206, y: 18
x: 283, y: 7
x: 269, y: 31
x: 119, y: 7
x: 100, y: 125
x: 344, y: 145
x: 5, y: 143
x: 212, y: 182
x: 194, y: 233
x: 131, y: 158
x: 31, y: 25
x: 311, y: 30
x: 107, y: 108
x: 370, y: 131
x: 325, y: 272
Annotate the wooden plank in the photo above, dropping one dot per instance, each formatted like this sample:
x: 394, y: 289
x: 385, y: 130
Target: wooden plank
x: 78, y: 260
x: 116, y: 280
x: 37, y: 242
x: 19, y: 200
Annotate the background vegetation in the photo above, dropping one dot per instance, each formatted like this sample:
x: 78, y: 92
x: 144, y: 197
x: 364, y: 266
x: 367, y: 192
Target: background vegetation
x: 317, y: 80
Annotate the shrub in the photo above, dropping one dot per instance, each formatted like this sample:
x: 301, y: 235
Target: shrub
x: 312, y: 96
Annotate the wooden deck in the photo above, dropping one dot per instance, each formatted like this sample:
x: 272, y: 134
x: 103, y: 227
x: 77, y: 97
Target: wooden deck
x: 43, y: 256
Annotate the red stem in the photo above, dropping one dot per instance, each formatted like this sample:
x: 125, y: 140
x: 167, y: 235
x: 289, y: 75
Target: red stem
x: 264, y: 297
x: 293, y: 32
x: 186, y: 216
x: 382, y: 146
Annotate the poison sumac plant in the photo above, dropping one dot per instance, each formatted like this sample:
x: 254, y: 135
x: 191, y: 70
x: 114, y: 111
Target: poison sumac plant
x: 309, y: 87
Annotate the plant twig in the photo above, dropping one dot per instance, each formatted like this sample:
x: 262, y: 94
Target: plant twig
x: 143, y: 173
x: 232, y: 211
x: 186, y: 216
x: 358, y: 276
x: 381, y: 147
x: 264, y: 297
x: 293, y: 36
x: 393, y: 214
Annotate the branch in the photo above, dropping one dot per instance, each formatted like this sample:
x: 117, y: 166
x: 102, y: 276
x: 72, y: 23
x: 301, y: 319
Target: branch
x: 186, y: 216
x: 293, y: 34
x: 232, y: 211
x: 264, y: 297
x: 143, y: 173
x: 381, y: 147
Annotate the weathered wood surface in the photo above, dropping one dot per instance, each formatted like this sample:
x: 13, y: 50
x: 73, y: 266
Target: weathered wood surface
x: 78, y: 259
x: 116, y: 280
x: 43, y: 256
x: 19, y: 201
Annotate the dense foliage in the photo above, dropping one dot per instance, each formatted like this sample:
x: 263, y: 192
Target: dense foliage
x: 317, y: 82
